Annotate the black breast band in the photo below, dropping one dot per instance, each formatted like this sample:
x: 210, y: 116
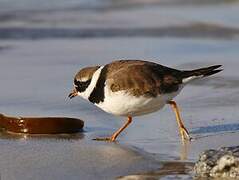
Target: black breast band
x: 98, y: 93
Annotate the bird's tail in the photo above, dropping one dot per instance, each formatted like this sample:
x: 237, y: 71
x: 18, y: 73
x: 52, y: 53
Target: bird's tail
x: 198, y: 73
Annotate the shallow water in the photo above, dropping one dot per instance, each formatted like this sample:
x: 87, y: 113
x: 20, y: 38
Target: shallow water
x: 43, y: 51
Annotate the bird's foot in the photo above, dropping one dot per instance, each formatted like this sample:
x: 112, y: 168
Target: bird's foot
x: 109, y: 139
x: 184, y: 134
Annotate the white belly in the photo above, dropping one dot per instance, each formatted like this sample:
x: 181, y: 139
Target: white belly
x: 122, y: 104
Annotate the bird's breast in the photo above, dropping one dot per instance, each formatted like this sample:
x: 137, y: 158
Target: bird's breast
x: 122, y: 103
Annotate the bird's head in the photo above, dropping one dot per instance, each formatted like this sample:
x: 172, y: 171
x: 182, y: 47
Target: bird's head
x: 82, y: 81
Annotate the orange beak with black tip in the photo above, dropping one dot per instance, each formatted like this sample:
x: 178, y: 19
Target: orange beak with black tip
x: 73, y: 93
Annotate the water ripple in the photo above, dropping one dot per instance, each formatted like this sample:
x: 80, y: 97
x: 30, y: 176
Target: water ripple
x: 198, y: 30
x: 216, y: 128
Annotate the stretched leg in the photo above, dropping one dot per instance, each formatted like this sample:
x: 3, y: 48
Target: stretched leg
x: 115, y: 135
x: 183, y: 131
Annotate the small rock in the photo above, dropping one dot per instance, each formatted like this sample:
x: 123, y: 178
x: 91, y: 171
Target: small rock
x: 222, y: 163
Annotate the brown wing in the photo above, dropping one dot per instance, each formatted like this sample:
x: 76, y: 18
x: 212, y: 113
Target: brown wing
x: 142, y: 78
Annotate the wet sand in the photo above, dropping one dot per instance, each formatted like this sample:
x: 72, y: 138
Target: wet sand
x: 36, y: 77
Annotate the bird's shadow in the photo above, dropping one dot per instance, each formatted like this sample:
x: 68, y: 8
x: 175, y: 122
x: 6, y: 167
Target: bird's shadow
x: 206, y: 131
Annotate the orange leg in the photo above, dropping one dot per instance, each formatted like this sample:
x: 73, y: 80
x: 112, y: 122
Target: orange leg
x: 183, y: 131
x: 115, y: 135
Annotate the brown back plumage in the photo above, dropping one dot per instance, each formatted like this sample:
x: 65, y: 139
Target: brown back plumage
x: 142, y: 77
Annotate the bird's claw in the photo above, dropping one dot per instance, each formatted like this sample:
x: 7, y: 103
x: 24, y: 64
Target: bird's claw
x: 184, y: 134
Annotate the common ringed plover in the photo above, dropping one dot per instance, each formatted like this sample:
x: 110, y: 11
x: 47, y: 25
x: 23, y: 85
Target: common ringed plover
x: 132, y: 88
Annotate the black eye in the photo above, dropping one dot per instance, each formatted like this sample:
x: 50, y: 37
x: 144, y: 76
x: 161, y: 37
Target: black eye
x: 81, y: 86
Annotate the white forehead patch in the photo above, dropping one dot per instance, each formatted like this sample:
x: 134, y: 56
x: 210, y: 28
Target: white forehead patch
x: 83, y: 79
